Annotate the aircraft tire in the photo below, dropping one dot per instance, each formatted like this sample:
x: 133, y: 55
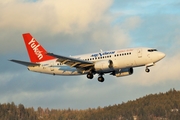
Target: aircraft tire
x: 90, y: 76
x: 147, y: 70
x: 101, y: 79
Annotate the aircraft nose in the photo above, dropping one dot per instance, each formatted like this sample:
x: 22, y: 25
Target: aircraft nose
x: 161, y: 55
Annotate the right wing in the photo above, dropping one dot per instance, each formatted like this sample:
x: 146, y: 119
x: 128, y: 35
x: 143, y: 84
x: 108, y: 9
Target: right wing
x: 25, y: 63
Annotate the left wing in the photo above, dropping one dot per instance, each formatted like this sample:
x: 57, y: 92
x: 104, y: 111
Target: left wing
x: 72, y: 62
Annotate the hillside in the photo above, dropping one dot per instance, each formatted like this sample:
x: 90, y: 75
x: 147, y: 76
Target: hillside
x: 161, y: 106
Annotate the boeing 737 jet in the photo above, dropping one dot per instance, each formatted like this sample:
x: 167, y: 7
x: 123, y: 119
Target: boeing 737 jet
x: 114, y: 62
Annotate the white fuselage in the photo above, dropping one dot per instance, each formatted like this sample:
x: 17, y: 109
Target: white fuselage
x: 121, y: 59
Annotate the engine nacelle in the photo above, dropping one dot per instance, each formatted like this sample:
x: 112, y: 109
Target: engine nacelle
x: 103, y: 66
x: 124, y: 72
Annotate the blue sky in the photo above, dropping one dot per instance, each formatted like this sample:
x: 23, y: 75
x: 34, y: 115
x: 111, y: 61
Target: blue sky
x: 77, y: 27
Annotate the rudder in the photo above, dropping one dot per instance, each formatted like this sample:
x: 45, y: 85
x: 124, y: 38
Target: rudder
x: 35, y: 51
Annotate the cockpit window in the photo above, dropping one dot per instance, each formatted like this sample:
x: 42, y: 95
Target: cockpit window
x: 152, y: 50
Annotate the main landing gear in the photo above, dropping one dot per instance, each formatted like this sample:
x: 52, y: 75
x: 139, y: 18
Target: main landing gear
x: 90, y: 75
x: 100, y: 78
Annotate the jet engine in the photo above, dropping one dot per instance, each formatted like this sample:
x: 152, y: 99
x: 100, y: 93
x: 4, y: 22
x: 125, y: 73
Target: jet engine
x: 103, y: 66
x: 123, y: 72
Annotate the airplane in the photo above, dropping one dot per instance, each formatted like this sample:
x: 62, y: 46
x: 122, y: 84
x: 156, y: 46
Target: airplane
x: 115, y: 62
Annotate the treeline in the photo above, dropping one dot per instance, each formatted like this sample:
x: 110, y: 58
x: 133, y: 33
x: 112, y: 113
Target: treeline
x: 162, y: 106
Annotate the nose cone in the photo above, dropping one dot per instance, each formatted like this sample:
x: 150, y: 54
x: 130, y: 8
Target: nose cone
x: 161, y: 55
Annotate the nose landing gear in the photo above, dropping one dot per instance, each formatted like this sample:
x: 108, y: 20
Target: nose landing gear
x: 147, y: 70
x: 149, y: 65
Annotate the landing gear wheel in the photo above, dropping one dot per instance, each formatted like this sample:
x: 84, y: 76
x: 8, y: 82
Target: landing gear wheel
x: 147, y: 70
x: 90, y: 76
x: 101, y: 79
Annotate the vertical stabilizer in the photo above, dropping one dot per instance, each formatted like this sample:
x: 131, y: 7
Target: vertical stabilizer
x: 36, y: 52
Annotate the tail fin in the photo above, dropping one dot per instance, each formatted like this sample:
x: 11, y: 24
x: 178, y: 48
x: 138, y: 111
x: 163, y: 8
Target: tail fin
x: 36, y: 52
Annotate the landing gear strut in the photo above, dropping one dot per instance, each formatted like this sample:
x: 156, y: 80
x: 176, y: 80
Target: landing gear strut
x: 147, y: 69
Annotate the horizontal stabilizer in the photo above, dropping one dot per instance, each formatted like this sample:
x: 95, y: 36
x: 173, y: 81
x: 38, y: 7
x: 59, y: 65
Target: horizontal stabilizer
x: 25, y: 63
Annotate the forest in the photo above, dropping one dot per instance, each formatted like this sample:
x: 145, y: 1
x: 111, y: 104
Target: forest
x: 160, y: 106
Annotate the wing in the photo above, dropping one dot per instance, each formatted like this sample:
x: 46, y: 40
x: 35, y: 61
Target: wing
x: 73, y: 62
x: 25, y: 63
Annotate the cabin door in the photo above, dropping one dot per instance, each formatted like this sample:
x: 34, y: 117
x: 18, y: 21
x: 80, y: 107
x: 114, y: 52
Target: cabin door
x: 139, y: 53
